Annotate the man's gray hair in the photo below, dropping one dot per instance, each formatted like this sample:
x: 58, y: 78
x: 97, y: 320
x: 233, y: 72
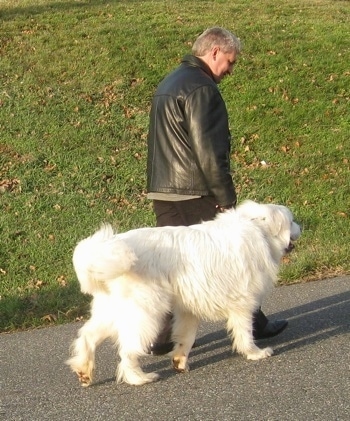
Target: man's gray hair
x: 216, y: 36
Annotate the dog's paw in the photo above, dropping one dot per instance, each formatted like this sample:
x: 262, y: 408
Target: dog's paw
x: 260, y: 354
x: 180, y: 364
x: 151, y: 377
x: 135, y: 377
x: 141, y: 380
x: 84, y: 379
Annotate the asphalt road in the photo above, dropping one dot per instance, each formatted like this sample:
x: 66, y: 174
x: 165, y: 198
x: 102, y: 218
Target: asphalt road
x: 308, y: 378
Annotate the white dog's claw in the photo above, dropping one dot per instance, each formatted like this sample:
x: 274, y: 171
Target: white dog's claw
x: 260, y: 354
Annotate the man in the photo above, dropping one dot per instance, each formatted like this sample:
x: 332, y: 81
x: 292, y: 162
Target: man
x: 188, y: 168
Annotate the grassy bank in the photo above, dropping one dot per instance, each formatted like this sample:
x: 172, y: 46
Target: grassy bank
x: 77, y: 78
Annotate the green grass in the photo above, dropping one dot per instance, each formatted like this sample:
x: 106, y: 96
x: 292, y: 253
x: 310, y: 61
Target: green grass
x: 77, y: 78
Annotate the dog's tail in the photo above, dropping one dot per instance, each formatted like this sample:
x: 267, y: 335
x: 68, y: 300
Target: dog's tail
x: 101, y: 258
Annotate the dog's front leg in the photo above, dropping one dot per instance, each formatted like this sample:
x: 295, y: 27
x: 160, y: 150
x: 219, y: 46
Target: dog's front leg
x: 240, y: 326
x: 184, y: 335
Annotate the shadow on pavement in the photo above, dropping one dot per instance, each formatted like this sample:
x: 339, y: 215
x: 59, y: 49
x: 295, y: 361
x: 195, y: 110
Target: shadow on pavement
x: 308, y: 323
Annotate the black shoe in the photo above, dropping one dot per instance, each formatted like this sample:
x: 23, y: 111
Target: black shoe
x: 271, y: 329
x: 161, y: 349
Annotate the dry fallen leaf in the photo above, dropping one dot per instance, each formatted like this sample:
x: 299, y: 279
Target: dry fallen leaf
x: 49, y: 318
x: 62, y: 280
x: 285, y: 259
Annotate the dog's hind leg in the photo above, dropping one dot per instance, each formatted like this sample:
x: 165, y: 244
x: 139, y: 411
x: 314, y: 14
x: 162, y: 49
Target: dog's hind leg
x: 83, y: 349
x: 138, y: 329
x: 184, y: 334
x: 239, y: 325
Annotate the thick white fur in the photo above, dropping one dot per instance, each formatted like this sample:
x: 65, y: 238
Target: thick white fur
x: 220, y: 269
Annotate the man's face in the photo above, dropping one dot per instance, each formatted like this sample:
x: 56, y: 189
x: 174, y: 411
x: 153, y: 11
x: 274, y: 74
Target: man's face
x: 221, y: 64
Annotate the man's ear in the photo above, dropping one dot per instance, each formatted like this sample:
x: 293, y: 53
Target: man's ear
x: 215, y: 51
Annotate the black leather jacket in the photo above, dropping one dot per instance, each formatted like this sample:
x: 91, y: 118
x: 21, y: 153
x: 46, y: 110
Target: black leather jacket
x: 189, y: 138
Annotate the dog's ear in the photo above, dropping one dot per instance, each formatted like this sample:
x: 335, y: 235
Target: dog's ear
x: 279, y: 221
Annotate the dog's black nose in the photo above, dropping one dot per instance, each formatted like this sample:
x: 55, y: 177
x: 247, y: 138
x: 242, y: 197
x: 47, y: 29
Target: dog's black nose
x: 290, y: 247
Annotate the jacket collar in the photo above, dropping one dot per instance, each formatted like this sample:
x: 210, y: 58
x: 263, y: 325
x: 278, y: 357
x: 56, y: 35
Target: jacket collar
x: 192, y: 60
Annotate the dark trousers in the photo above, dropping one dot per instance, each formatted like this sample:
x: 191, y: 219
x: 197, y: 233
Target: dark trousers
x: 184, y: 212
x: 190, y: 212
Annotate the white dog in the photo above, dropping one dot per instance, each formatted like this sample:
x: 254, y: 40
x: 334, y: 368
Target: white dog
x: 220, y: 269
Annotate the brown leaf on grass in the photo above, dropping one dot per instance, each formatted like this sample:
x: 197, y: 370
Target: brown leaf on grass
x: 86, y: 97
x: 285, y: 260
x: 49, y: 318
x: 285, y: 149
x: 251, y: 108
x: 128, y: 112
x: 38, y: 284
x: 285, y: 95
x: 9, y: 185
x: 136, y: 81
x: 35, y: 284
x: 62, y: 281
x: 49, y: 167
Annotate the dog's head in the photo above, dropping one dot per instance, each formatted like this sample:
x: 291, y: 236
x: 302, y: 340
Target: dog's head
x: 276, y: 220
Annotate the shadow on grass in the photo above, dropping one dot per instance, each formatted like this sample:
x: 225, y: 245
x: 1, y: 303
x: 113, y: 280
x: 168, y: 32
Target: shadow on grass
x: 43, y: 307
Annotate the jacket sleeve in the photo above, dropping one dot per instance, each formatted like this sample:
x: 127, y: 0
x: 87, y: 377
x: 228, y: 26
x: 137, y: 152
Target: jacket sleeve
x: 209, y: 139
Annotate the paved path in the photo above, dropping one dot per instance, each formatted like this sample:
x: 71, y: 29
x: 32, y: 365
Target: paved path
x: 308, y: 378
